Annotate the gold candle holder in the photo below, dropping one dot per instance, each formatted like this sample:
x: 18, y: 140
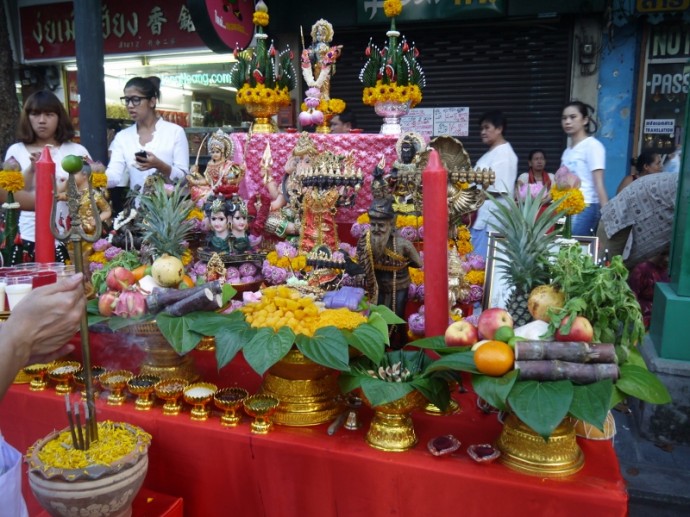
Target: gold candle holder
x: 199, y: 395
x: 170, y: 390
x: 62, y: 373
x: 262, y: 408
x: 229, y: 401
x: 37, y: 372
x: 116, y: 382
x: 143, y: 387
x: 80, y: 379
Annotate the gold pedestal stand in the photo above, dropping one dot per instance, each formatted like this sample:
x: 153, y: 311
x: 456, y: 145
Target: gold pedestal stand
x: 392, y: 429
x: 525, y: 451
x: 308, y: 392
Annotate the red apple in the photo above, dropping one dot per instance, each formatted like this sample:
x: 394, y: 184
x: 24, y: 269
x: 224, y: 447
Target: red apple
x: 119, y: 278
x: 491, y: 319
x: 461, y: 333
x: 580, y: 330
x: 107, y: 302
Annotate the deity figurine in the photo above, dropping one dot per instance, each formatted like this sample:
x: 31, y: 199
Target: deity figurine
x: 222, y: 175
x: 228, y: 220
x: 405, y: 175
x: 385, y: 257
x: 318, y: 60
x: 88, y: 218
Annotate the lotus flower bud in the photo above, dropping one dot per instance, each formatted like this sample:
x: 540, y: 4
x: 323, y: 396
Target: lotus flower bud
x: 130, y: 304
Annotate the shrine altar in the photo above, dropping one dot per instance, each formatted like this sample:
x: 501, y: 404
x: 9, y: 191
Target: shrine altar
x: 367, y: 148
x: 294, y: 471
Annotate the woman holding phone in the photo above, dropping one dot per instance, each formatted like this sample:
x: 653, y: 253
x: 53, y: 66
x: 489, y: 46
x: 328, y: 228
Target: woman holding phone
x: 150, y: 145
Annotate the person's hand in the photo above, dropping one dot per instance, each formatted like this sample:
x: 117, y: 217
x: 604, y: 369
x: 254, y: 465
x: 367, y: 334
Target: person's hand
x: 46, y: 319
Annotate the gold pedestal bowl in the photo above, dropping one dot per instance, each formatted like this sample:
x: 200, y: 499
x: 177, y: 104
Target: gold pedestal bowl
x: 142, y: 386
x: 80, y: 379
x: 199, y: 395
x: 37, y: 372
x: 392, y: 429
x: 170, y: 391
x: 116, y: 382
x: 229, y: 400
x: 62, y: 372
x: 262, y: 408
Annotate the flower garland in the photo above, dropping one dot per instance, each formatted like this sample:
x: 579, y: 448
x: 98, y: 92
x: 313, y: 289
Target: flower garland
x: 12, y: 180
x: 260, y: 94
x: 11, y: 177
x: 574, y: 201
x: 391, y: 92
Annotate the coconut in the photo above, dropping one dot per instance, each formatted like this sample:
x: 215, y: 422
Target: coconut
x: 167, y: 270
x: 542, y: 298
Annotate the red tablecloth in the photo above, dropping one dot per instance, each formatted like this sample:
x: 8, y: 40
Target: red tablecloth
x: 367, y: 148
x: 304, y: 472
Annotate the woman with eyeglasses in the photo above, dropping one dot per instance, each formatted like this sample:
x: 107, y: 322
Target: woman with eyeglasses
x: 42, y: 122
x: 150, y: 145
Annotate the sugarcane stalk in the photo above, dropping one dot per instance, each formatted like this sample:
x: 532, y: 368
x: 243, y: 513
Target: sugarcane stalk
x: 562, y: 370
x: 571, y: 351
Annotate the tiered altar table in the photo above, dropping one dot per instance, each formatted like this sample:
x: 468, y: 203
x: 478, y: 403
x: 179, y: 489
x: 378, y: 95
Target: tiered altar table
x: 304, y: 472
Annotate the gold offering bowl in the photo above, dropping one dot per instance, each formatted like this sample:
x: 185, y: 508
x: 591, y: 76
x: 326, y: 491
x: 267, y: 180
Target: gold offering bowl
x: 170, y: 390
x: 143, y: 387
x: 229, y: 400
x: 262, y: 408
x: 391, y: 428
x: 80, y: 378
x: 116, y: 382
x: 37, y: 372
x: 199, y: 395
x: 62, y: 372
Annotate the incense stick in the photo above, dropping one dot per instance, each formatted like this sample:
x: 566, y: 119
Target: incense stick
x: 77, y: 422
x: 87, y: 427
x: 75, y: 443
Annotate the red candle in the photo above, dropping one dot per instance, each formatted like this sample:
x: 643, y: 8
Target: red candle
x: 45, y: 173
x: 434, y: 190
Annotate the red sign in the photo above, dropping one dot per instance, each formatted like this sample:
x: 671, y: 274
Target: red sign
x: 129, y: 27
x: 223, y: 24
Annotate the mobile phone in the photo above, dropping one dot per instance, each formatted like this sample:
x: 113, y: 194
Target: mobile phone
x: 140, y: 154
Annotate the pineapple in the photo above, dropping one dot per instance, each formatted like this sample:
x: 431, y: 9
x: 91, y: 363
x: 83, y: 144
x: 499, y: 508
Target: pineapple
x: 525, y: 248
x: 164, y: 226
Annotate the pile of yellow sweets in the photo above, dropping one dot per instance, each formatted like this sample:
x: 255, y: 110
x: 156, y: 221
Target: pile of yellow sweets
x: 281, y: 306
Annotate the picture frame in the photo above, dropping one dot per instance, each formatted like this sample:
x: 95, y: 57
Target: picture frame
x: 496, y: 291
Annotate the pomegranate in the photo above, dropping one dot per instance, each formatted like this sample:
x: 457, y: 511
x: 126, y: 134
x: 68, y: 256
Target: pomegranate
x: 107, y: 302
x: 167, y: 271
x: 130, y: 304
x: 119, y: 278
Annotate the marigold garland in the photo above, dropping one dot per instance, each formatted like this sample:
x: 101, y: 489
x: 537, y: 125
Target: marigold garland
x: 99, y: 257
x: 99, y: 180
x: 416, y: 276
x: 260, y: 94
x: 475, y: 277
x: 196, y: 213
x: 260, y: 18
x: 11, y: 181
x: 392, y: 8
x: 371, y: 95
x: 574, y: 201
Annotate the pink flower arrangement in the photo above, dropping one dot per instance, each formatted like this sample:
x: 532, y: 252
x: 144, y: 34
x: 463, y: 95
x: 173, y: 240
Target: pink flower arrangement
x: 565, y: 179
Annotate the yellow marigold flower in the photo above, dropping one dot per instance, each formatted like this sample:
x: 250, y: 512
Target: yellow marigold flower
x: 463, y: 233
x: 11, y: 181
x: 195, y: 213
x: 363, y: 218
x: 416, y: 275
x: 340, y: 318
x: 260, y: 18
x: 574, y: 201
x: 99, y: 180
x: 392, y: 8
x: 475, y: 277
x: 464, y: 247
x: 272, y: 258
x: 283, y: 262
x: 336, y: 105
x: 98, y: 256
x: 186, y: 257
x: 299, y: 262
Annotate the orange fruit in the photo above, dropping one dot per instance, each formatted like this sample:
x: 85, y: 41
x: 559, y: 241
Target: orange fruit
x: 139, y: 272
x: 494, y: 358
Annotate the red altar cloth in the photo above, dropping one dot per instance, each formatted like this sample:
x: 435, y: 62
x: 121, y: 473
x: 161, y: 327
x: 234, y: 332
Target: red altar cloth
x: 367, y: 148
x: 304, y: 472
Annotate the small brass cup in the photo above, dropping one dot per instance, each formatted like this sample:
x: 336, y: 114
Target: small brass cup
x: 116, y: 382
x: 170, y: 391
x: 230, y: 400
x: 262, y: 408
x: 143, y: 387
x: 38, y: 372
x: 62, y: 372
x: 199, y: 395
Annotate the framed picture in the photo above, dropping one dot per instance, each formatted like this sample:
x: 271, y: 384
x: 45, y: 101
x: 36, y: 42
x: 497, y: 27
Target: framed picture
x: 496, y: 287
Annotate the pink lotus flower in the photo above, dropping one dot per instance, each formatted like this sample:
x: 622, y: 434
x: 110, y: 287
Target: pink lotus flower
x: 565, y: 179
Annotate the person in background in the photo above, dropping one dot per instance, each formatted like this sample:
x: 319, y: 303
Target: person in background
x: 42, y: 122
x: 647, y: 163
x: 585, y: 156
x: 344, y: 122
x: 537, y: 171
x: 149, y: 145
x: 504, y: 162
x: 37, y: 331
x: 672, y: 162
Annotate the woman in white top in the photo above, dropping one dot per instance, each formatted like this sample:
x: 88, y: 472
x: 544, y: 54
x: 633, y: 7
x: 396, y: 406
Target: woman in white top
x: 151, y: 145
x: 585, y: 157
x: 504, y: 162
x: 43, y: 122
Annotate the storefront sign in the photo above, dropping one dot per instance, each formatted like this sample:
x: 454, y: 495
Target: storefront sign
x: 655, y: 6
x: 437, y: 121
x: 197, y: 79
x: 371, y: 11
x: 223, y: 24
x: 129, y: 26
x: 670, y: 42
x: 659, y: 126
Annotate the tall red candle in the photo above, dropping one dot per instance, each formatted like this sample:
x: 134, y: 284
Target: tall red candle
x: 434, y: 190
x: 45, y: 172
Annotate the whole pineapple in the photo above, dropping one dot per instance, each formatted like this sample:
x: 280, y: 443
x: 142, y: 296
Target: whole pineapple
x: 525, y: 248
x: 164, y: 225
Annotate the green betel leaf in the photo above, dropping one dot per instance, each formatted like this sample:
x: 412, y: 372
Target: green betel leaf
x: 435, y: 390
x: 326, y: 347
x: 177, y: 332
x: 494, y: 390
x: 388, y: 315
x: 377, y: 321
x: 228, y: 291
x: 349, y: 382
x: 267, y: 347
x: 212, y: 323
x: 639, y: 382
x: 367, y: 339
x: 541, y: 405
x: 459, y: 361
x: 591, y: 402
x: 381, y: 392
x: 436, y: 343
x: 617, y: 396
x: 229, y: 341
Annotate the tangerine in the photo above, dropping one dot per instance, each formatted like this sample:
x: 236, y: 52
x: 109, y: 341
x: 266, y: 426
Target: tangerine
x: 494, y: 358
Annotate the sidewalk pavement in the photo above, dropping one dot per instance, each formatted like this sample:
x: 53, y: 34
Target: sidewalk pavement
x: 657, y: 474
